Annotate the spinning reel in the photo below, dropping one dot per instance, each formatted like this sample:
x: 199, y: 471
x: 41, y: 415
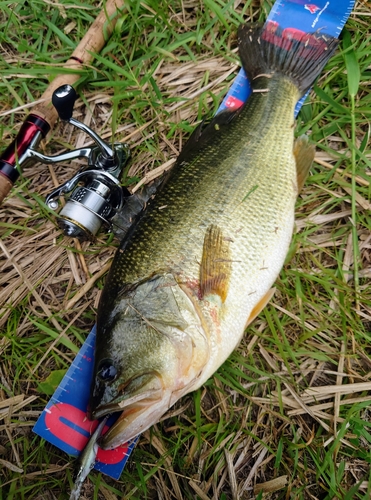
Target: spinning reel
x: 95, y: 191
x: 94, y: 194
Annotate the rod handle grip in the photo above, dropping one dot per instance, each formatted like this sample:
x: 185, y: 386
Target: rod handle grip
x: 5, y: 187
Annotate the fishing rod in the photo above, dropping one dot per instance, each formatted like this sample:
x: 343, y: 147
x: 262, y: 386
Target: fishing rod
x: 89, y: 206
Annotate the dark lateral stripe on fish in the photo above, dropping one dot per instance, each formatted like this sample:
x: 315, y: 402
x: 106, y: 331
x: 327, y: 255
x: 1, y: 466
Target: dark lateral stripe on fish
x: 265, y: 52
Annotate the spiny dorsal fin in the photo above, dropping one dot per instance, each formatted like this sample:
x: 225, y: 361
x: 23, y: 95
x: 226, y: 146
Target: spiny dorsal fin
x: 216, y: 264
x: 134, y: 206
x: 304, y: 156
x: 206, y: 131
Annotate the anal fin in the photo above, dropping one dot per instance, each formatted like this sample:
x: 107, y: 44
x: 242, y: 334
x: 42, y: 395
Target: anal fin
x: 304, y: 156
x: 216, y: 264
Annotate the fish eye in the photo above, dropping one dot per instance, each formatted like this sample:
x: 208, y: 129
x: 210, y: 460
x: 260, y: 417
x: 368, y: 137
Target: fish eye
x: 107, y: 371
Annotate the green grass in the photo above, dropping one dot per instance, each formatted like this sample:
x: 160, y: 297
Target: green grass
x: 254, y: 420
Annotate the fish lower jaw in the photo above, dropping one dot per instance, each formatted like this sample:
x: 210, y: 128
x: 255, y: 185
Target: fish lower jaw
x: 133, y: 420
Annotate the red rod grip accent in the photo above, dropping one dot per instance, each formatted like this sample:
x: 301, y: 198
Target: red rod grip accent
x: 26, y: 134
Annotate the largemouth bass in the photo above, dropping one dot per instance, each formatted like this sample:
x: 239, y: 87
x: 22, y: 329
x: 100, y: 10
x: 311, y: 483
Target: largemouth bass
x: 199, y: 264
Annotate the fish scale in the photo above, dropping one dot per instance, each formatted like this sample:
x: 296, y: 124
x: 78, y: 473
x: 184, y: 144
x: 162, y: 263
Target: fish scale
x: 255, y: 266
x: 155, y: 244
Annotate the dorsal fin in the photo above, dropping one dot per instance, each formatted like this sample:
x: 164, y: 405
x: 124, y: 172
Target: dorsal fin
x: 134, y: 206
x: 204, y: 132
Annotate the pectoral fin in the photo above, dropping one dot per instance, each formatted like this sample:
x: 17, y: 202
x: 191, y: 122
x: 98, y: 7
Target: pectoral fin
x: 304, y: 156
x: 216, y: 264
x: 257, y: 309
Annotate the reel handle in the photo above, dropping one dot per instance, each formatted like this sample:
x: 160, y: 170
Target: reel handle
x: 63, y: 99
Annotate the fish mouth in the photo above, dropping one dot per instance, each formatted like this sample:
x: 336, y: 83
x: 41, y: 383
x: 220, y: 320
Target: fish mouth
x: 134, y: 419
x: 105, y: 399
x: 142, y: 402
x: 143, y: 399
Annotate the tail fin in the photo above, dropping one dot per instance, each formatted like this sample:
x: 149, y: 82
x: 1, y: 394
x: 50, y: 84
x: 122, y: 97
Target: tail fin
x: 300, y: 56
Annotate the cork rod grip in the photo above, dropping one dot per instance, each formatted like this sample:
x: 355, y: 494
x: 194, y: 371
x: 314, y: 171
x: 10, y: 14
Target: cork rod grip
x: 5, y: 187
x: 92, y: 42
